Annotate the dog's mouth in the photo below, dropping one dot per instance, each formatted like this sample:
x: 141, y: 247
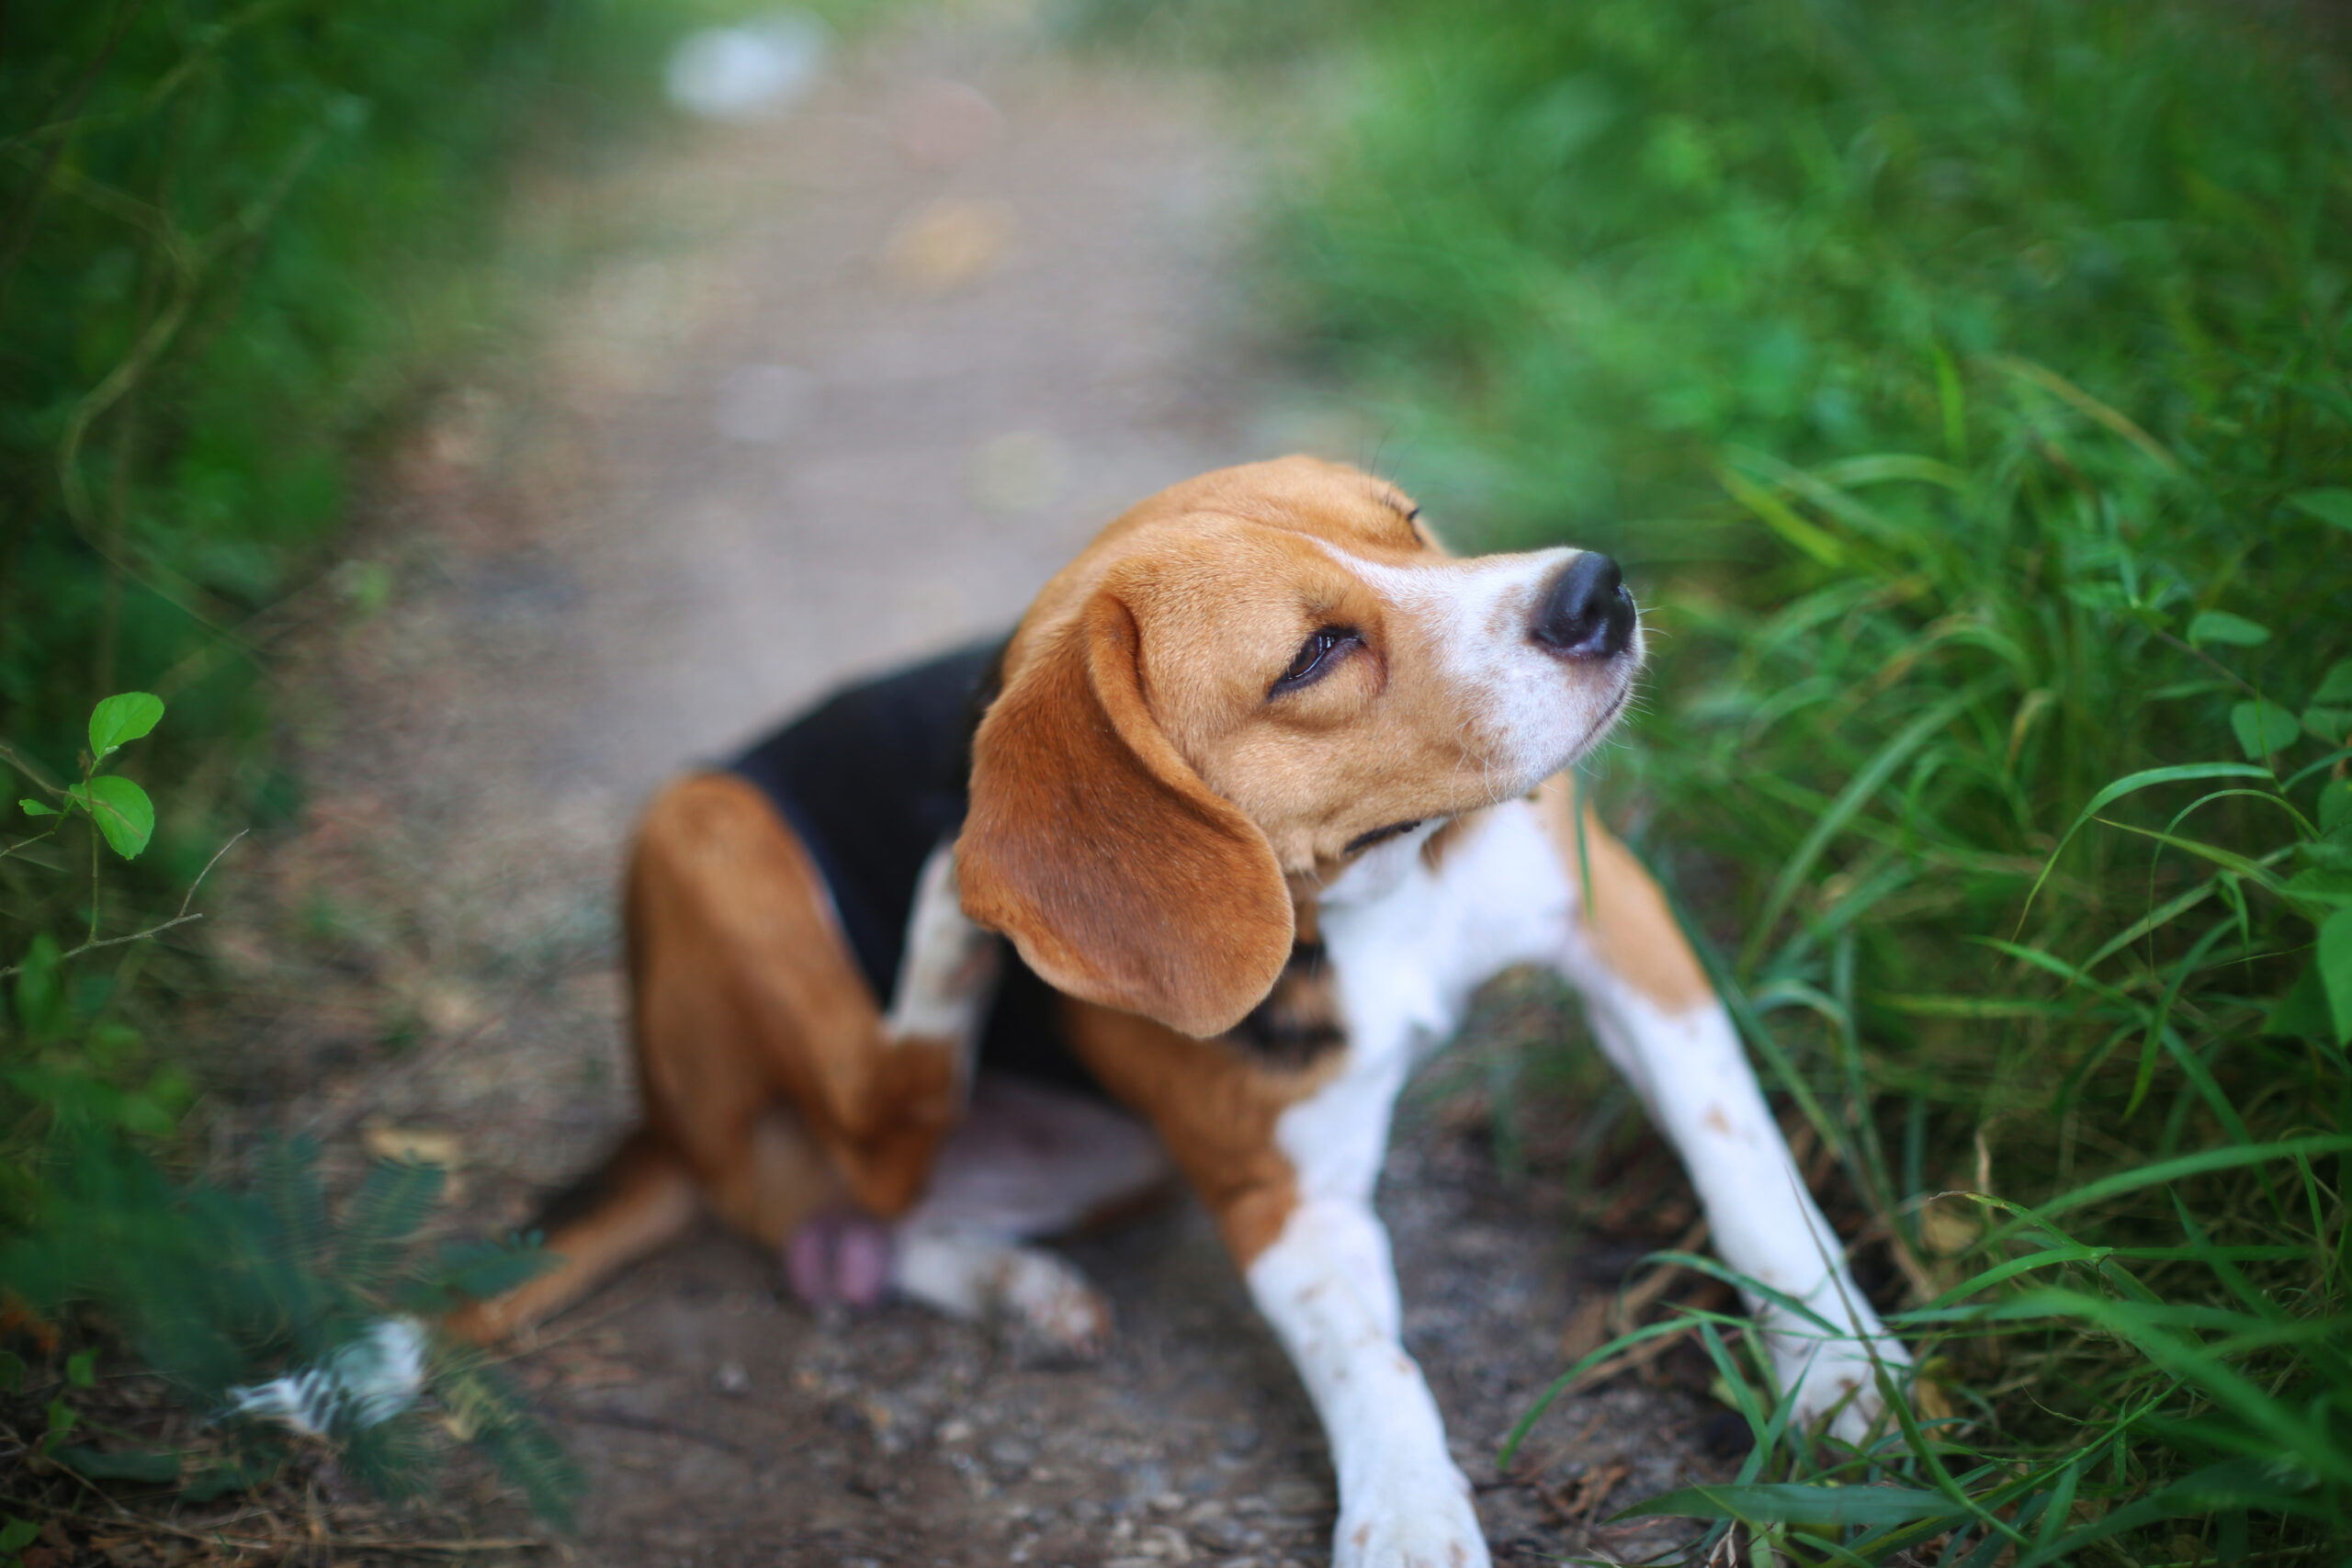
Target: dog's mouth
x: 1599, y: 730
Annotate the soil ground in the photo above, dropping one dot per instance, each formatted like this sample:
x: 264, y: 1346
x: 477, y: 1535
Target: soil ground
x: 845, y: 387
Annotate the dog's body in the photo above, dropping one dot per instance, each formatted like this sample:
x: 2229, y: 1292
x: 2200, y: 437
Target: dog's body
x: 1262, y: 788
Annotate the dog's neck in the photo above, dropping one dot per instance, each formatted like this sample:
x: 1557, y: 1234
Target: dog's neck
x: 1382, y: 871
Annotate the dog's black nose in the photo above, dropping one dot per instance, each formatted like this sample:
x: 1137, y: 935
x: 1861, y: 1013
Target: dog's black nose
x: 1586, y: 614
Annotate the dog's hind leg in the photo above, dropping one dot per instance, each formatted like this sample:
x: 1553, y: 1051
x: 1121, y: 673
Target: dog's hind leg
x: 746, y: 992
x: 1026, y: 1162
x: 636, y: 1201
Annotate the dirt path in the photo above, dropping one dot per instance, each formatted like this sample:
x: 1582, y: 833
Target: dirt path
x: 861, y: 379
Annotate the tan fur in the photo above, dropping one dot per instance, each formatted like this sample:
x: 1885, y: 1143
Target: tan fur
x: 1213, y: 1107
x: 648, y: 1198
x: 1223, y: 579
x: 1145, y: 825
x: 746, y: 990
x: 1169, y: 901
x: 1631, y: 927
x: 768, y: 1084
x: 1135, y: 700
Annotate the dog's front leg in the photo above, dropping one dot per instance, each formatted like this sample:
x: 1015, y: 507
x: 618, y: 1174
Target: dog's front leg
x: 1328, y: 1287
x: 1660, y: 1023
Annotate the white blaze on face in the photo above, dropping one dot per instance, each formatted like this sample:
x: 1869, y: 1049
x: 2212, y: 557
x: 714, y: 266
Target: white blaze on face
x: 1536, y: 711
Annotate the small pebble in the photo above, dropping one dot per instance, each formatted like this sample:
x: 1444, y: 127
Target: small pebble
x: 1012, y: 1453
x: 1296, y: 1497
x: 731, y: 1379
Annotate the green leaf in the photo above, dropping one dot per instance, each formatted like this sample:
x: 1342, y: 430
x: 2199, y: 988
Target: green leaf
x: 42, y: 1005
x: 1857, y: 794
x: 2264, y: 728
x: 18, y: 1534
x: 2335, y: 967
x: 35, y: 808
x: 392, y: 1201
x: 81, y: 1369
x: 2228, y: 1158
x: 122, y: 812
x: 2331, y: 505
x: 478, y: 1271
x: 1818, y: 543
x: 137, y: 1113
x: 2320, y: 885
x: 2335, y: 804
x: 2302, y: 1012
x: 2336, y: 686
x: 2331, y: 726
x: 94, y: 1465
x: 121, y: 718
x: 1763, y: 1502
x: 2220, y: 626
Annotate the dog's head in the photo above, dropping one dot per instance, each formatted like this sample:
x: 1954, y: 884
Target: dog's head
x: 1243, y: 684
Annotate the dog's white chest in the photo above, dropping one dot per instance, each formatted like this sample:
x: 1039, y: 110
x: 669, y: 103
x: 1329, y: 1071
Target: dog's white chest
x: 1408, y: 944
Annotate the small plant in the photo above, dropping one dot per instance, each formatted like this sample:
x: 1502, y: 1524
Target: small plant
x: 120, y: 810
x: 283, y: 1332
x: 67, y: 1056
x: 284, y: 1329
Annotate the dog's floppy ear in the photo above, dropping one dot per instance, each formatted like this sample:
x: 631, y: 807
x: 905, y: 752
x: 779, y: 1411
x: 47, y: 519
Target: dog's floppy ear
x: 1098, y: 850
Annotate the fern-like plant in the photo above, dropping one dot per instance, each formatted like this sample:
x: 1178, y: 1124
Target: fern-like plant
x: 283, y: 1322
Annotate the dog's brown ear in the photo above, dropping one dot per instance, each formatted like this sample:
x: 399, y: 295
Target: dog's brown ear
x: 1097, y: 848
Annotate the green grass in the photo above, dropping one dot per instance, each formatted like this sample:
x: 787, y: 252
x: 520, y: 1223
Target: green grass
x: 243, y: 247
x: 240, y: 246
x: 1965, y: 387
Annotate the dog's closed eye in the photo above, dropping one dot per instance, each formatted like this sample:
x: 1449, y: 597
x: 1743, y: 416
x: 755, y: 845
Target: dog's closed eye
x: 1316, y: 657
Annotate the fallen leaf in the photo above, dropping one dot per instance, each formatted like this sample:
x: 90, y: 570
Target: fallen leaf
x: 413, y: 1145
x: 945, y: 245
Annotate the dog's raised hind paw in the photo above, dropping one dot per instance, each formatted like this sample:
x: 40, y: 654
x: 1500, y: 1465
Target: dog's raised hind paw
x: 1051, y: 1308
x: 1042, y: 1302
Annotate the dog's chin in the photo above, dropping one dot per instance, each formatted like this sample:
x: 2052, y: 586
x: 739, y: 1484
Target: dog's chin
x: 1597, y: 731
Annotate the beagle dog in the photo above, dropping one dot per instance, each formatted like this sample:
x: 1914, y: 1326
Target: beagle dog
x: 1218, y: 845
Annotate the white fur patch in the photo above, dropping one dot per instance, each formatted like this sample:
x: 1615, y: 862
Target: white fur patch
x: 1692, y: 1073
x: 1026, y: 1161
x: 1326, y: 1287
x: 1537, y: 712
x: 948, y: 976
x: 1408, y: 944
x: 982, y: 1279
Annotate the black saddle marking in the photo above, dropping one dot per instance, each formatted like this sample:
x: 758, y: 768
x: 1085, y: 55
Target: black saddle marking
x: 1299, y: 1020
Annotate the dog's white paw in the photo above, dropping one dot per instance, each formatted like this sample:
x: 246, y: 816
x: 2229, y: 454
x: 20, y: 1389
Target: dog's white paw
x: 1835, y: 1372
x: 1044, y: 1303
x: 1413, y: 1524
x: 1048, y: 1303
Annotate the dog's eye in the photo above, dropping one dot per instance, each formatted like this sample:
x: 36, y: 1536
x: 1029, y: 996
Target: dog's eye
x: 1314, y: 657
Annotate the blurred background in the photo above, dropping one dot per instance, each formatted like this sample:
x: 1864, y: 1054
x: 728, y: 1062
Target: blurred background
x: 458, y: 416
